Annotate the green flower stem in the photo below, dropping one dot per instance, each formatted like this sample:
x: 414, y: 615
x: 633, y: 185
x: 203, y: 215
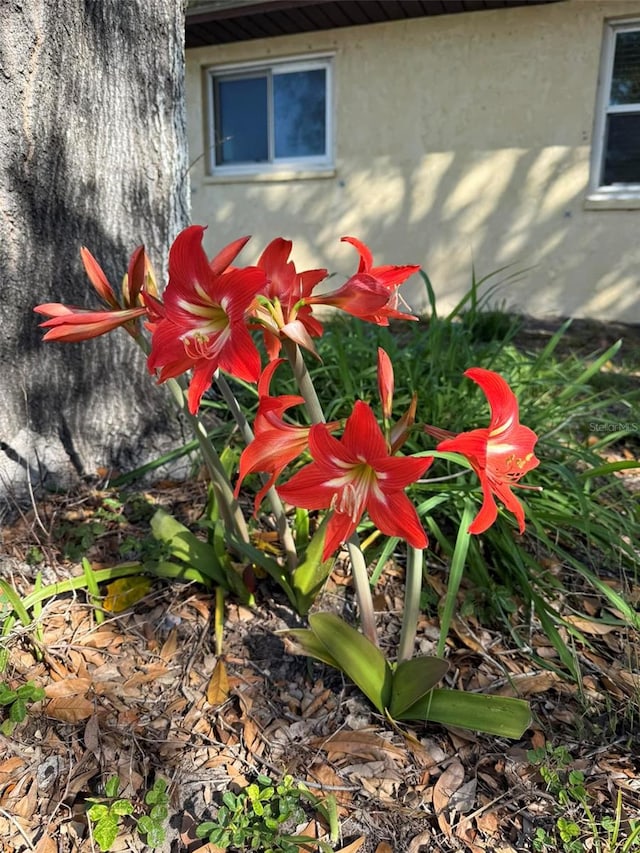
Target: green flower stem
x: 363, y: 589
x: 304, y: 381
x: 286, y: 536
x: 229, y: 507
x: 413, y: 588
x: 358, y: 562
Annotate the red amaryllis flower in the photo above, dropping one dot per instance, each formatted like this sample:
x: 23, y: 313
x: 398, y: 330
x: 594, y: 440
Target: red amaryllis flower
x: 385, y: 383
x: 276, y: 442
x: 70, y: 323
x: 378, y: 282
x: 283, y: 312
x: 354, y: 474
x: 201, y: 325
x: 500, y: 454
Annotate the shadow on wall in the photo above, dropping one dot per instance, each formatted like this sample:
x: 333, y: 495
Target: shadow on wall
x: 513, y: 207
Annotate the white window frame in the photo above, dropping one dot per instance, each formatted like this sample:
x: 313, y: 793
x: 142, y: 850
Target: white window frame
x: 316, y: 163
x: 610, y: 195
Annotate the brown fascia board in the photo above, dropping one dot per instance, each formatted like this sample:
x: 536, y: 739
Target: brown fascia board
x: 201, y: 14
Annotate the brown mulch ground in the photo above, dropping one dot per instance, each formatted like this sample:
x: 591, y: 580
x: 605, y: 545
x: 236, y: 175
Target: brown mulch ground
x: 141, y: 696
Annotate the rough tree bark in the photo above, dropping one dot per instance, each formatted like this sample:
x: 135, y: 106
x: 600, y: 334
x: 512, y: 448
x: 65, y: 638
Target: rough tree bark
x: 92, y: 152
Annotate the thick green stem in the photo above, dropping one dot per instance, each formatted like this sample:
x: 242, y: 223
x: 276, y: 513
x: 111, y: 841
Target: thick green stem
x: 286, y: 536
x: 363, y: 590
x: 304, y: 381
x: 229, y: 507
x: 413, y: 588
x: 358, y: 562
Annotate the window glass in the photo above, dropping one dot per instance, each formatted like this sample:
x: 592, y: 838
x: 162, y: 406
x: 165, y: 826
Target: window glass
x: 625, y: 80
x: 622, y: 149
x: 241, y: 120
x: 299, y: 103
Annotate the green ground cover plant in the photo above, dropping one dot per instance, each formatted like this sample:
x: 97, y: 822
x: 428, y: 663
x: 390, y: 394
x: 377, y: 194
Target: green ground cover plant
x: 106, y: 815
x: 263, y: 816
x: 575, y: 826
x: 14, y: 704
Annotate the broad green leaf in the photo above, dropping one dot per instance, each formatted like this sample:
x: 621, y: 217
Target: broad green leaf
x: 105, y: 831
x: 480, y: 712
x: 356, y: 656
x: 144, y: 823
x: 111, y: 787
x: 301, y: 528
x: 30, y: 692
x: 412, y: 679
x: 7, y: 696
x: 98, y: 811
x: 185, y: 546
x: 156, y: 835
x: 159, y: 813
x: 311, y: 645
x: 18, y: 711
x: 311, y: 574
x: 121, y: 807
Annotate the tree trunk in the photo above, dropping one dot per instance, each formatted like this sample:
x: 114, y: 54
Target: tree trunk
x: 93, y: 153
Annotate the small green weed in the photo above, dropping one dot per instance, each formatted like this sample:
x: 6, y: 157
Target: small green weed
x: 15, y: 704
x: 105, y: 818
x: 264, y: 815
x: 576, y: 827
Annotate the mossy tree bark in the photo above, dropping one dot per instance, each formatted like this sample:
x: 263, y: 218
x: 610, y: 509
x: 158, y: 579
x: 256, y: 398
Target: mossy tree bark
x: 92, y: 152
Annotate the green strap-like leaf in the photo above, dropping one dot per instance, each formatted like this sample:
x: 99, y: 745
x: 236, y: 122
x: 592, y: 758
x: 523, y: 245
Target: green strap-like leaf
x: 16, y: 602
x: 456, y: 571
x: 356, y: 656
x: 311, y: 645
x: 185, y: 546
x: 313, y: 571
x: 412, y: 679
x: 496, y: 715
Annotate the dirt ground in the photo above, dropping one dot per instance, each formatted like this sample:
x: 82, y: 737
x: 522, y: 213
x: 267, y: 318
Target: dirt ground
x: 143, y: 695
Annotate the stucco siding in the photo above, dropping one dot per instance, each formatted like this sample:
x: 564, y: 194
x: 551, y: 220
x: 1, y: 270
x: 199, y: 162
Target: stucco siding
x: 460, y: 140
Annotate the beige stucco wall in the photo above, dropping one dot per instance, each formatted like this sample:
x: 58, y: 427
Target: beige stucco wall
x: 460, y: 139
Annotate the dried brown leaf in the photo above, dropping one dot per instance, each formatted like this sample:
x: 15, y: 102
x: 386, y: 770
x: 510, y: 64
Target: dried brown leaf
x: 147, y: 674
x: 170, y: 646
x: 92, y: 735
x: 26, y: 806
x: 353, y: 847
x: 67, y: 687
x: 362, y: 743
x: 532, y: 683
x: 103, y: 639
x: 444, y: 789
x: 69, y: 709
x: 590, y: 626
x: 218, y: 689
x: 425, y: 839
x: 9, y: 768
x: 46, y: 845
